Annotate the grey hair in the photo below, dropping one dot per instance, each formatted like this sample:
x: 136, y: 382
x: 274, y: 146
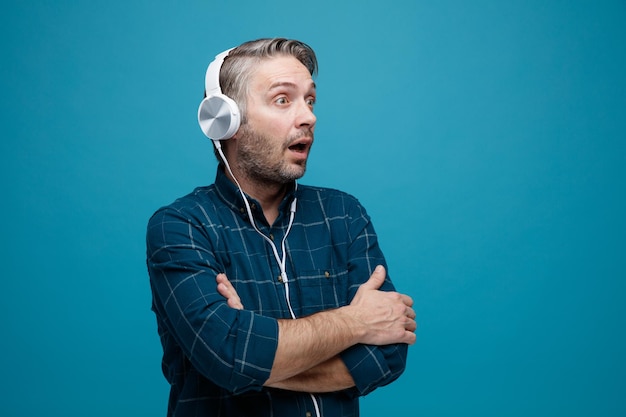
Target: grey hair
x: 241, y: 61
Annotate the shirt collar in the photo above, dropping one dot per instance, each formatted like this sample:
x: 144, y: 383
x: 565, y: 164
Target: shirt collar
x: 230, y: 195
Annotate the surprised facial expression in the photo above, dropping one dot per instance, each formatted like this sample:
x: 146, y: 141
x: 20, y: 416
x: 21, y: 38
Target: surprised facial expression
x: 273, y: 145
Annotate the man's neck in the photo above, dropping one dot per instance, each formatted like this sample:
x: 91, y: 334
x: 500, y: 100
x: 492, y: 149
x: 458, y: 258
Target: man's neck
x: 268, y: 194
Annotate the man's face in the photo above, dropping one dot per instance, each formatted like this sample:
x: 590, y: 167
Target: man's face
x: 274, y: 144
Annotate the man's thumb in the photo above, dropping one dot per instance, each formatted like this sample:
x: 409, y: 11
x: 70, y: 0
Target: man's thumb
x: 377, y: 278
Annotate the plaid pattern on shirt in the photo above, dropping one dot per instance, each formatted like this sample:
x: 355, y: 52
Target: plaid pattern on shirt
x: 217, y: 358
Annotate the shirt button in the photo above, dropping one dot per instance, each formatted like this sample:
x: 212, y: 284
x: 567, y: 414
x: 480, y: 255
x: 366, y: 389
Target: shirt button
x: 327, y: 274
x: 280, y: 278
x: 308, y: 414
x: 242, y: 210
x: 272, y: 236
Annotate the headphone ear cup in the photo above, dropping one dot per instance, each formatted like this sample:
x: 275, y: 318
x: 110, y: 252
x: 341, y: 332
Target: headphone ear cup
x: 219, y: 117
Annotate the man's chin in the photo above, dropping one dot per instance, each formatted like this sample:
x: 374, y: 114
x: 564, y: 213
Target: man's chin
x: 295, y: 172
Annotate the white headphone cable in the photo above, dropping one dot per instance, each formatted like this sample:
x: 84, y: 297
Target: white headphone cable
x: 282, y: 262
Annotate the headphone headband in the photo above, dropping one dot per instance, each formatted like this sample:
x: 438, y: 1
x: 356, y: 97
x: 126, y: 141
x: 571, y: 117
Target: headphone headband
x: 212, y: 76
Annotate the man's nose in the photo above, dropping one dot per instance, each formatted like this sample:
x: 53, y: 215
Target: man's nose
x: 306, y: 117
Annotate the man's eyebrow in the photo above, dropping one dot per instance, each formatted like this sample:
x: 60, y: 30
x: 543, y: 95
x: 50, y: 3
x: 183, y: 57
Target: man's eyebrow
x: 288, y: 84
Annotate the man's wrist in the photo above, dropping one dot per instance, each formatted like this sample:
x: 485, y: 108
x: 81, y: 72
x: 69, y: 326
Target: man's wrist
x: 347, y: 320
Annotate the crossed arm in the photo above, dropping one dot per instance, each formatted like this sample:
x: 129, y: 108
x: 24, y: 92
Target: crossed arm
x: 307, y: 356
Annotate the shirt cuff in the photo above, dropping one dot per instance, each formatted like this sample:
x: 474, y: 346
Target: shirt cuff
x: 368, y: 367
x: 255, y: 350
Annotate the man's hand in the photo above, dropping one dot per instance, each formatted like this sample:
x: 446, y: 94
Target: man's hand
x: 382, y: 317
x: 226, y: 290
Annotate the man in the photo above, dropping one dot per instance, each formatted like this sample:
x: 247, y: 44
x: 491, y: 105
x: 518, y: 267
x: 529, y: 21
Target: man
x: 271, y: 299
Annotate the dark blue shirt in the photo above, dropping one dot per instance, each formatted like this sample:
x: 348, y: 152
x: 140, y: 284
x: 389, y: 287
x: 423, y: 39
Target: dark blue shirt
x: 217, y: 358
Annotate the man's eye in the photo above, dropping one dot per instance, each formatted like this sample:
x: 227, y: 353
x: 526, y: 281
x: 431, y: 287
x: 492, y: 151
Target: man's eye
x: 311, y: 102
x: 281, y: 100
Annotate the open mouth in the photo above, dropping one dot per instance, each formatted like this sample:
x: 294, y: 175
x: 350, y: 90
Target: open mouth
x: 298, y: 147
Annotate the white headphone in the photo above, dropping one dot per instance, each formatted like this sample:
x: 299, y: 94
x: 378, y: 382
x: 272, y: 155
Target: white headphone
x: 218, y: 115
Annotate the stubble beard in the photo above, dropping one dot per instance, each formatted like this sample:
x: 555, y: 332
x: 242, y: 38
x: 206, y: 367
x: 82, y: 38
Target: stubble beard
x: 263, y: 162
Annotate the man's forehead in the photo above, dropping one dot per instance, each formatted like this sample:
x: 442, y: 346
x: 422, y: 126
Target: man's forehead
x: 281, y: 72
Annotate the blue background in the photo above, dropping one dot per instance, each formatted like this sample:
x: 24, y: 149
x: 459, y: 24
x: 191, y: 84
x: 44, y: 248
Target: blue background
x: 487, y: 140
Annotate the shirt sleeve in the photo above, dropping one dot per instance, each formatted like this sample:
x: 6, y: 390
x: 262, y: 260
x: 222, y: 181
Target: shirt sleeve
x: 370, y: 366
x: 233, y: 348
